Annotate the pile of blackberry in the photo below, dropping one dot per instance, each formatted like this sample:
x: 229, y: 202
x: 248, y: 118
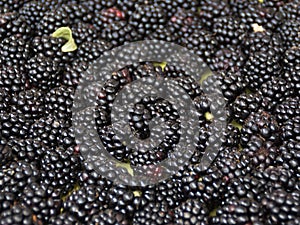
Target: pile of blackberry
x: 253, y: 51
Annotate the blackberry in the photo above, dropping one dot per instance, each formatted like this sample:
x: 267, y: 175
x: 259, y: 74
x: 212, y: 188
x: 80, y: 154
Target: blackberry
x: 228, y: 30
x: 53, y: 20
x: 191, y: 211
x: 243, y: 105
x: 77, y: 12
x: 239, y: 211
x: 7, y: 200
x: 5, y: 99
x: 18, y: 215
x: 27, y: 150
x: 165, y: 34
x: 42, y: 200
x: 12, y: 79
x: 59, y: 101
x: 83, y: 32
x: 260, y: 67
x: 14, y: 124
x: 119, y: 32
x: 262, y: 124
x: 89, y: 51
x: 95, y: 6
x: 5, y: 153
x: 280, y: 207
x: 84, y: 203
x: 287, y: 109
x: 147, y: 18
x: 107, y: 16
x: 34, y: 11
x: 290, y: 33
x: 16, y: 175
x: 51, y: 47
x: 30, y: 103
x: 47, y: 130
x: 210, y: 9
x: 291, y: 129
x: 11, y: 25
x: 154, y: 213
x: 12, y: 5
x: 59, y: 168
x: 109, y: 217
x: 291, y: 58
x: 14, y: 51
x: 291, y: 10
x: 73, y: 73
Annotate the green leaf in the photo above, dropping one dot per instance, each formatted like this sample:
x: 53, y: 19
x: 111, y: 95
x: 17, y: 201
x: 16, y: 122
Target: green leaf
x: 66, y: 33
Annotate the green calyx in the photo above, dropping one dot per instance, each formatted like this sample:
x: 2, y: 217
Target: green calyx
x: 66, y: 33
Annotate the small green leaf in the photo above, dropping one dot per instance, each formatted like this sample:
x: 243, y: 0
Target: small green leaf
x: 160, y: 64
x: 236, y: 124
x: 66, y: 33
x: 208, y: 116
x: 127, y: 167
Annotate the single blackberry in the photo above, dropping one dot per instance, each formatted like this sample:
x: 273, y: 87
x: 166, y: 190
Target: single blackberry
x: 83, y: 32
x: 89, y: 51
x: 239, y: 211
x: 33, y: 12
x: 63, y: 219
x: 289, y: 157
x: 27, y: 150
x: 291, y: 58
x: 261, y: 153
x: 53, y: 20
x: 107, y: 16
x: 84, y: 203
x: 77, y: 12
x: 59, y: 168
x: 274, y: 92
x: 192, y: 211
x: 16, y: 175
x: 290, y: 33
x: 42, y: 200
x: 14, y: 51
x: 147, y: 18
x: 12, y: 79
x: 109, y: 217
x: 51, y: 47
x: 165, y: 34
x: 18, y: 215
x: 232, y: 84
x: 228, y: 30
x: 281, y: 207
x: 30, y: 103
x: 202, y: 42
x: 292, y: 76
x: 287, y: 109
x: 260, y: 67
x: 95, y: 6
x: 262, y: 124
x: 73, y: 73
x: 154, y: 213
x: 256, y: 41
x: 14, y: 124
x: 59, y: 101
x: 243, y: 105
x: 11, y: 25
x: 210, y: 9
x: 119, y: 32
x: 47, y: 130
x: 227, y: 59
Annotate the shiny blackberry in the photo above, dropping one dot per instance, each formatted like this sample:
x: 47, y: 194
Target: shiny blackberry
x: 7, y: 200
x: 30, y: 103
x: 59, y: 168
x: 52, y: 20
x: 16, y: 175
x: 44, y: 201
x: 5, y: 99
x: 263, y: 124
x: 5, y: 152
x: 63, y: 219
x: 291, y: 10
x: 11, y: 24
x: 14, y: 51
x: 147, y: 18
x: 109, y: 217
x: 12, y: 5
x: 77, y: 12
x: 287, y: 109
x: 83, y: 32
x: 290, y: 33
x: 192, y: 211
x: 291, y: 129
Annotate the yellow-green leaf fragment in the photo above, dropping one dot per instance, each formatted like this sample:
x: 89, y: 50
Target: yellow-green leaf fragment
x: 206, y: 74
x: 208, y: 116
x: 236, y: 124
x: 137, y: 193
x: 261, y: 1
x: 160, y: 64
x: 127, y: 167
x: 66, y: 33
